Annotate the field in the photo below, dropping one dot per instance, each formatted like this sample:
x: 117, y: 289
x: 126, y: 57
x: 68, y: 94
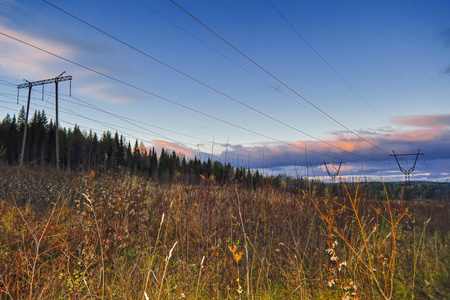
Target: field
x: 97, y: 236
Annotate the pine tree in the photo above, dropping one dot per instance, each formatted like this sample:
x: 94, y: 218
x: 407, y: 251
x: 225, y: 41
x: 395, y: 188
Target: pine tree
x: 136, y: 157
x: 21, y: 119
x: 128, y: 156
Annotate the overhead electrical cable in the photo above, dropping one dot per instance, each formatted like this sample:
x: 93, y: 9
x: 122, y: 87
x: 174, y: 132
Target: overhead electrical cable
x: 177, y: 143
x: 329, y: 66
x: 118, y: 126
x: 232, y: 61
x: 164, y: 98
x: 7, y: 82
x: 276, y: 78
x: 132, y: 122
x: 201, y: 82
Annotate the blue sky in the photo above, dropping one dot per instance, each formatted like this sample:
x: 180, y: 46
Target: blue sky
x: 391, y: 90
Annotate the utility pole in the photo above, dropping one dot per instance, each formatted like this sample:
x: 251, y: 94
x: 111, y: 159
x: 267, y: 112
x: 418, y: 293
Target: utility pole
x: 333, y: 175
x: 22, y: 152
x: 29, y: 85
x: 409, y: 171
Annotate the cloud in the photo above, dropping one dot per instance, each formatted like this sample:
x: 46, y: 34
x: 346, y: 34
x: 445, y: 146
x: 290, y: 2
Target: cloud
x: 83, y: 45
x: 429, y: 133
x: 179, y: 148
x: 19, y: 60
x: 7, y: 4
x: 446, y: 70
x: 445, y: 37
x: 424, y: 121
x: 20, y: 54
x: 360, y: 158
x: 106, y: 92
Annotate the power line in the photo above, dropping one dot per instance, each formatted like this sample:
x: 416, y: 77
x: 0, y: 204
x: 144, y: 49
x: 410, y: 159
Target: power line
x: 124, y: 133
x: 328, y: 64
x: 161, y: 97
x: 132, y: 122
x: 231, y: 60
x: 49, y: 94
x: 7, y: 82
x: 246, y: 151
x: 199, y: 81
x: 276, y: 78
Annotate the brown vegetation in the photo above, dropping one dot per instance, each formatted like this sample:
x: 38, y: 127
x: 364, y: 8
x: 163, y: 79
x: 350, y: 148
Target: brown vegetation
x: 84, y: 236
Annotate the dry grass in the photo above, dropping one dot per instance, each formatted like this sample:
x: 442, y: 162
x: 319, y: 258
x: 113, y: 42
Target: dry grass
x: 123, y: 237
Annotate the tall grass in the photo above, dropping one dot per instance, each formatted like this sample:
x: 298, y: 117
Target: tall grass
x: 126, y: 238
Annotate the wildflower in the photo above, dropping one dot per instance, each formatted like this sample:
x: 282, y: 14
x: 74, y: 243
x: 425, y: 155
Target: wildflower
x: 236, y: 255
x: 334, y: 258
x: 342, y: 264
x: 239, y: 289
x: 331, y: 282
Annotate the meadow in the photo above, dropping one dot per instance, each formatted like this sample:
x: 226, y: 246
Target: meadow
x: 97, y: 236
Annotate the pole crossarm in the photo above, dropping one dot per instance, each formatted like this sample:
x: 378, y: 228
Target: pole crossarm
x: 29, y: 85
x: 405, y: 171
x: 45, y: 81
x: 337, y: 171
x: 409, y: 171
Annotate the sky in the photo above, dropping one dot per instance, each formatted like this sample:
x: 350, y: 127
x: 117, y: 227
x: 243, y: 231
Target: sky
x: 278, y: 86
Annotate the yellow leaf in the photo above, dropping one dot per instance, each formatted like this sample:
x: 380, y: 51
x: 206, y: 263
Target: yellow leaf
x: 237, y: 256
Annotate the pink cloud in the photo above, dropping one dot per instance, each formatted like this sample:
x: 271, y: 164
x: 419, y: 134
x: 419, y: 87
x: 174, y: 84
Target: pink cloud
x: 421, y: 135
x: 170, y: 146
x: 348, y: 144
x: 424, y: 121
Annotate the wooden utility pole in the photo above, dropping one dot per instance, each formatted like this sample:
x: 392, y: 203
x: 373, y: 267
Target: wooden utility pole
x: 22, y: 152
x: 29, y: 85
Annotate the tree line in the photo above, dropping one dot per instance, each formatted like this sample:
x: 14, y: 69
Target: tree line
x: 81, y: 150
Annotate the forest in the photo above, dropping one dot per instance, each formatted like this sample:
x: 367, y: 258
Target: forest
x: 81, y: 151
